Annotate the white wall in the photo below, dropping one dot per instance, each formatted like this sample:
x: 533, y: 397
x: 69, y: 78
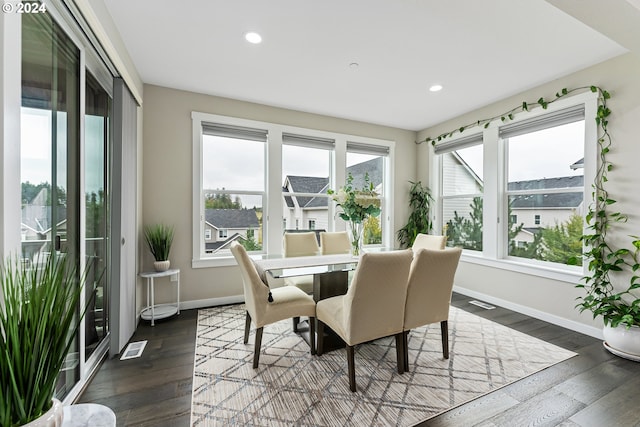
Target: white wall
x: 553, y: 299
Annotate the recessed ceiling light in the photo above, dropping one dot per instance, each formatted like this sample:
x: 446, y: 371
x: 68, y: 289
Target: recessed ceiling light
x: 252, y: 37
x: 435, y: 88
x: 354, y: 65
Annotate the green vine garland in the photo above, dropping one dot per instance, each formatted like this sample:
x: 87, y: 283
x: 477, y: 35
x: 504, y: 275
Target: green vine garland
x: 602, y: 299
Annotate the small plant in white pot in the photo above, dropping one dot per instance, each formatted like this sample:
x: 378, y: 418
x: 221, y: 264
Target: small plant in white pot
x: 39, y: 320
x: 159, y: 238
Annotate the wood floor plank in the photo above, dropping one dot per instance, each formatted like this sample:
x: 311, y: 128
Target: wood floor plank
x: 595, y: 383
x: 546, y: 409
x: 617, y: 408
x: 475, y: 411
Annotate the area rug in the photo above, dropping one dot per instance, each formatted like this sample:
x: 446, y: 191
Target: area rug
x: 291, y: 387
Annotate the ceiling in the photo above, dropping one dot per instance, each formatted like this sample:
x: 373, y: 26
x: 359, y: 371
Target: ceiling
x: 479, y: 51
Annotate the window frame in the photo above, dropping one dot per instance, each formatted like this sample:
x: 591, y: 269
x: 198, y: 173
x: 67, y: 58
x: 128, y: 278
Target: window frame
x: 495, y: 201
x: 273, y: 226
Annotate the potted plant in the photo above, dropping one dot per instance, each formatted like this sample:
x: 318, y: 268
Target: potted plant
x: 419, y: 222
x: 39, y: 321
x: 619, y: 308
x: 159, y: 237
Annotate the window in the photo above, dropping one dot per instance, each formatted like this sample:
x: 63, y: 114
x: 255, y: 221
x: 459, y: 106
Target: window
x: 542, y: 186
x: 233, y: 184
x: 364, y: 160
x: 247, y: 172
x: 306, y: 176
x: 516, y: 190
x: 461, y: 191
x: 207, y: 234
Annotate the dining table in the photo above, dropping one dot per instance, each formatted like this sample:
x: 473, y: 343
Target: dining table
x: 330, y: 278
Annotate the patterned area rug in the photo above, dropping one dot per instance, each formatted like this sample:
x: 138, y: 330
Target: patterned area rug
x: 291, y: 387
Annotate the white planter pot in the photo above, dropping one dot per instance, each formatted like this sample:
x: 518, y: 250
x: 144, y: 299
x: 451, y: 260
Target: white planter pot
x: 161, y: 265
x: 623, y: 342
x: 51, y: 418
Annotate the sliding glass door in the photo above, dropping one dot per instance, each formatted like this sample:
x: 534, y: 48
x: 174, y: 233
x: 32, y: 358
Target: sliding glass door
x: 64, y: 172
x: 96, y: 225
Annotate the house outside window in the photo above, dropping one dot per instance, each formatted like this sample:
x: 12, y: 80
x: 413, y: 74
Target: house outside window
x: 532, y: 206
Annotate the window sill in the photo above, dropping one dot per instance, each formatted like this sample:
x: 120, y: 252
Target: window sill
x: 570, y: 275
x: 221, y: 261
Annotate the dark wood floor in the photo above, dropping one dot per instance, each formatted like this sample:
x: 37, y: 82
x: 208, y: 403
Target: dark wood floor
x: 594, y: 388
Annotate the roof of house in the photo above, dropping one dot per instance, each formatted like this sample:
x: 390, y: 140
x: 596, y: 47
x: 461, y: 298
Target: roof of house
x: 306, y: 184
x: 232, y: 218
x: 539, y: 184
x: 216, y: 246
x: 553, y: 200
x: 310, y: 184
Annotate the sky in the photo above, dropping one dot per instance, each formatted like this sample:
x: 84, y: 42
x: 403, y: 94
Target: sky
x: 544, y: 154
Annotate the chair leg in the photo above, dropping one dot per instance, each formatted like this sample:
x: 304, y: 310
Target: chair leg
x: 351, y: 367
x: 247, y: 325
x: 256, y: 351
x: 400, y: 352
x: 444, y: 330
x: 296, y: 320
x: 320, y: 334
x: 312, y: 334
x: 405, y: 344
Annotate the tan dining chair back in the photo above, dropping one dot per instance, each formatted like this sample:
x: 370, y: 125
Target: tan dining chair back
x: 301, y: 244
x: 334, y: 242
x: 429, y: 291
x: 266, y: 306
x: 372, y: 308
x: 429, y: 241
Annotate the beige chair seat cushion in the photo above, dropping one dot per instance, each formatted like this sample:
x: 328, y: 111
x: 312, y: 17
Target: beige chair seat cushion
x: 288, y: 301
x: 304, y: 283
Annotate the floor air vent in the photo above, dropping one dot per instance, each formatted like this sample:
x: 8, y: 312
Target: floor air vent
x: 133, y: 350
x: 482, y: 304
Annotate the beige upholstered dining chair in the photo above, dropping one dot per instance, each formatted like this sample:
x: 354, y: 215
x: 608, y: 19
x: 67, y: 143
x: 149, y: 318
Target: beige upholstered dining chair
x: 265, y: 306
x: 429, y: 294
x: 301, y: 244
x: 429, y: 241
x: 372, y: 308
x: 335, y: 242
x: 295, y: 245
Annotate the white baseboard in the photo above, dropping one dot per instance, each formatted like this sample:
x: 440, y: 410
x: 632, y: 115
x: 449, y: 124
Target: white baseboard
x: 547, y: 317
x: 211, y: 302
